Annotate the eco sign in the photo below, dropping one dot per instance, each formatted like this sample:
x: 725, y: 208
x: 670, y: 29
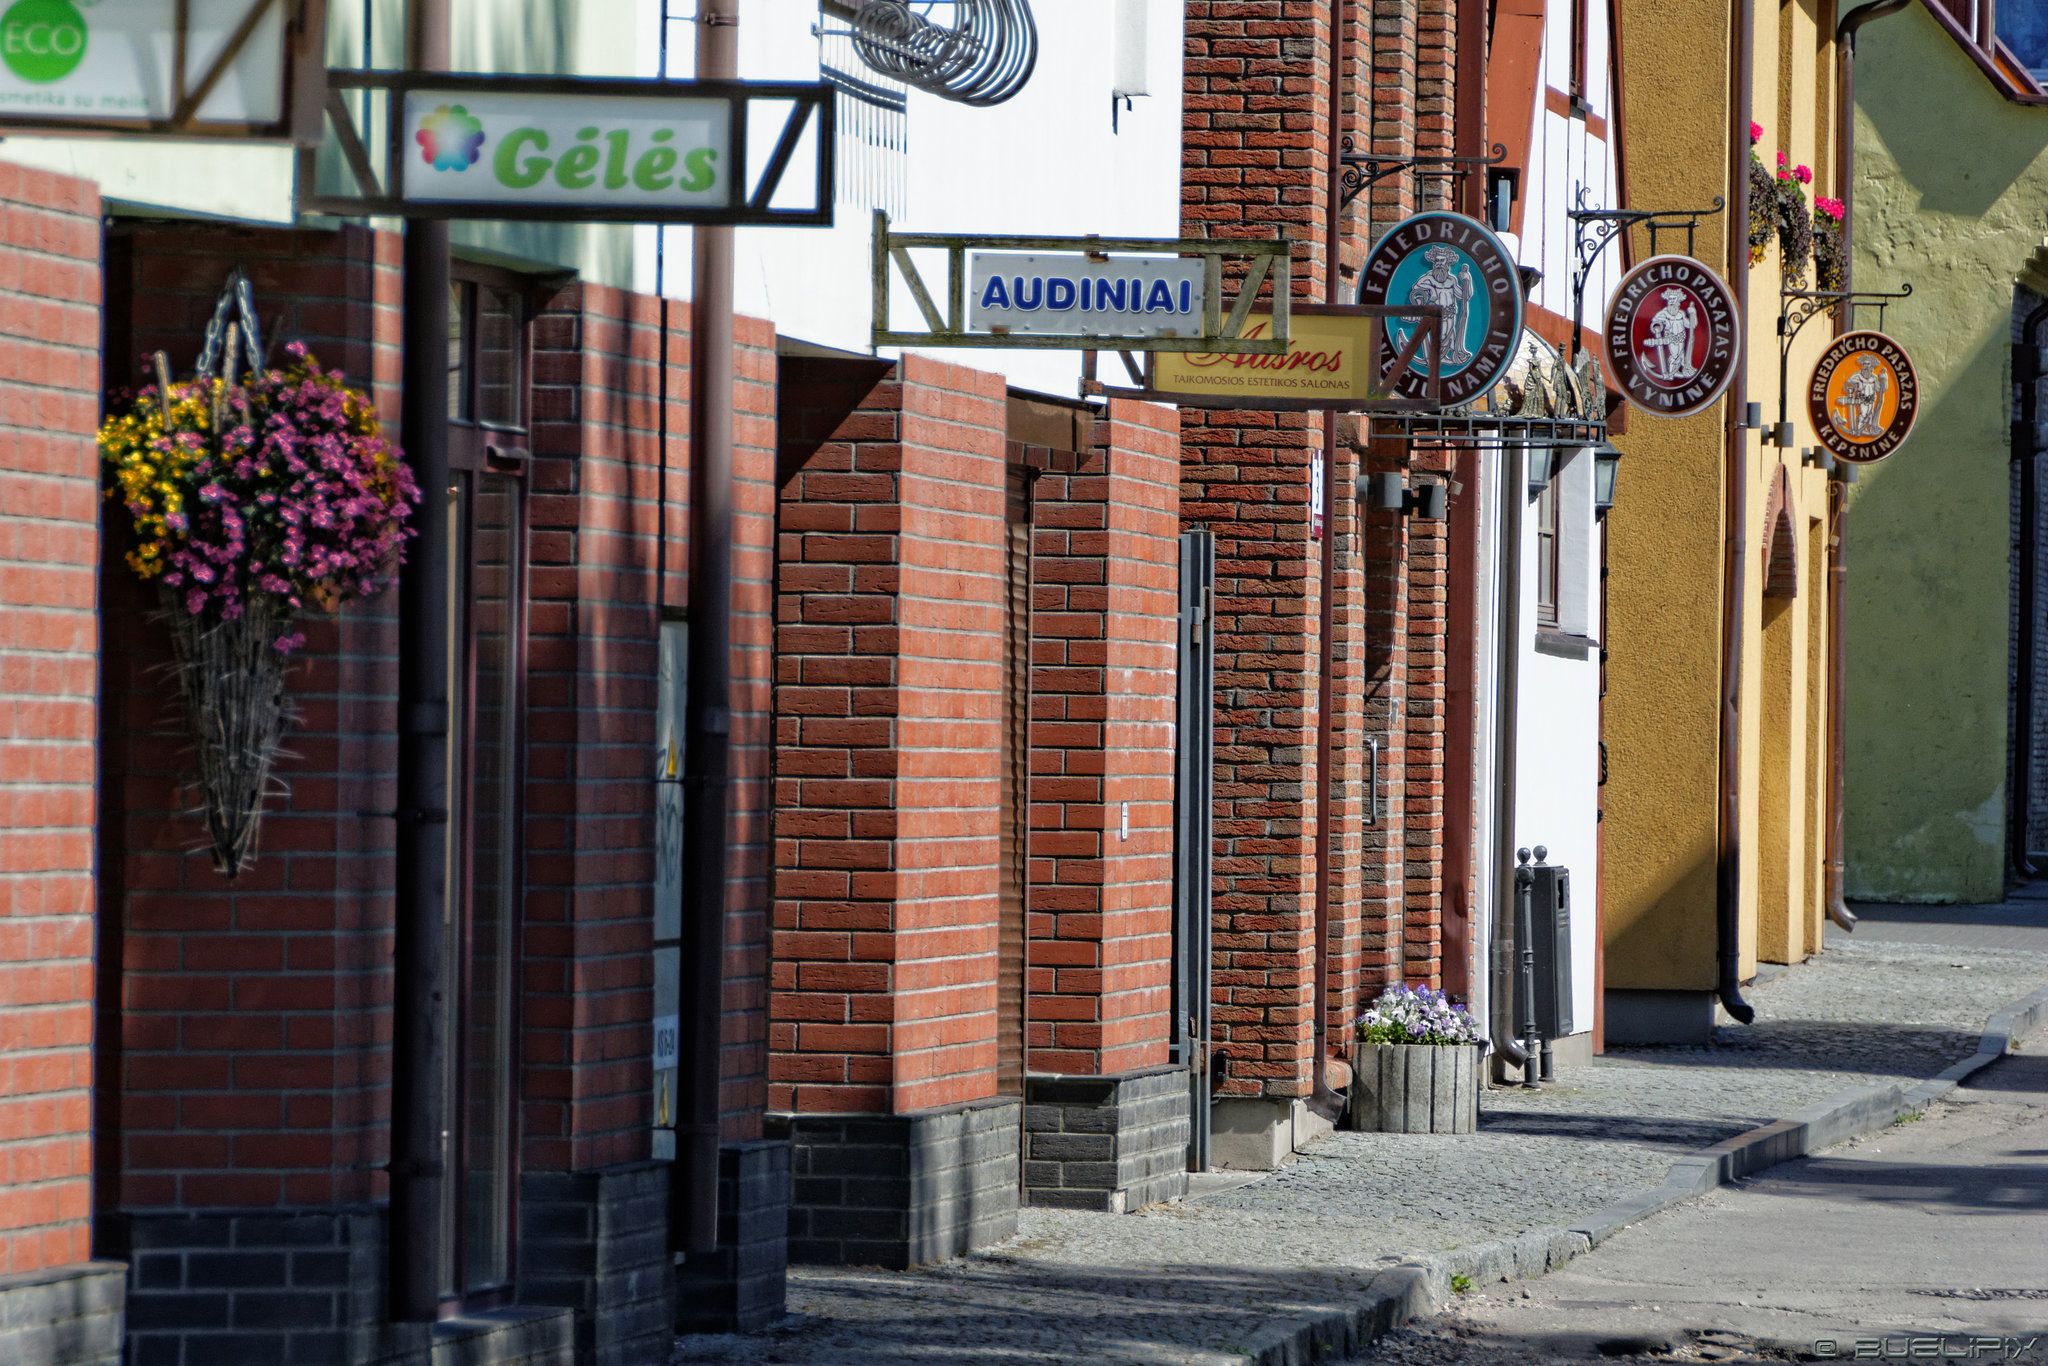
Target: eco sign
x: 109, y: 63
x: 473, y: 147
x: 42, y: 40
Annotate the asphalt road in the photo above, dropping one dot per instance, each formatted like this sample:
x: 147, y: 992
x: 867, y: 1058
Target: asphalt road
x: 1926, y: 1240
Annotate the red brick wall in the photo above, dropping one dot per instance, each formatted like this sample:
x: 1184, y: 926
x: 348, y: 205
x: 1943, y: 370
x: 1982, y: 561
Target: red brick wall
x: 888, y: 688
x: 1256, y: 138
x: 1105, y: 603
x: 49, y: 552
x: 591, y: 678
x: 247, y: 1049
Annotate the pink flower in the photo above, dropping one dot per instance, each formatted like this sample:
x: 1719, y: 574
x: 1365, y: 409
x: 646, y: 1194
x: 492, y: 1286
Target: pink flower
x: 1803, y: 174
x: 1756, y: 134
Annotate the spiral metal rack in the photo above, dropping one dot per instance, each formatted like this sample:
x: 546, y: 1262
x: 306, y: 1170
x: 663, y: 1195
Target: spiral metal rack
x: 983, y: 57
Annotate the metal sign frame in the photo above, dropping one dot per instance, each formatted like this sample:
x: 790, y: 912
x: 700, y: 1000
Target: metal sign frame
x: 809, y: 100
x: 305, y: 37
x: 1376, y: 350
x: 1220, y: 333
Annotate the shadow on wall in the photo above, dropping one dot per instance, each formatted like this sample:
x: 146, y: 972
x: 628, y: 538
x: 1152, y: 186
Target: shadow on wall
x: 1911, y: 52
x: 1928, y: 588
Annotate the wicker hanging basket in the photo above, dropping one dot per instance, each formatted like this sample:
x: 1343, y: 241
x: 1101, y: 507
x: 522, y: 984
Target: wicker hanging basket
x: 257, y: 494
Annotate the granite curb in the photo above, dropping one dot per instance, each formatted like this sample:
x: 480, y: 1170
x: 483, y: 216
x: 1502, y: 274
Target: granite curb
x: 1422, y: 1286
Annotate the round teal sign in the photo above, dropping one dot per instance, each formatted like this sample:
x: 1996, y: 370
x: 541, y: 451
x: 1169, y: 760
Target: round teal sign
x: 42, y: 40
x: 1451, y: 262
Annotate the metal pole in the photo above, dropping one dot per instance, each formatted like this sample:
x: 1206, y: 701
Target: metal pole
x: 708, y: 722
x: 1525, y: 957
x: 420, y: 1119
x: 1514, y: 493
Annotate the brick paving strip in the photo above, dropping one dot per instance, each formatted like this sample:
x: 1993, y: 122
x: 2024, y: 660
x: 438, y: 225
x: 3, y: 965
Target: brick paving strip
x: 1365, y: 1231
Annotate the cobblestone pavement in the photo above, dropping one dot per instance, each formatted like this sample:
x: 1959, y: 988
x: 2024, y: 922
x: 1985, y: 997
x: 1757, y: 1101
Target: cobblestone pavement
x: 1191, y: 1281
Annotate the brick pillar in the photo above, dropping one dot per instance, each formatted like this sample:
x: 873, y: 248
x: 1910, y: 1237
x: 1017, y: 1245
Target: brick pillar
x: 51, y: 1293
x: 1257, y: 139
x: 245, y: 1087
x: 1112, y: 1132
x: 882, y: 1036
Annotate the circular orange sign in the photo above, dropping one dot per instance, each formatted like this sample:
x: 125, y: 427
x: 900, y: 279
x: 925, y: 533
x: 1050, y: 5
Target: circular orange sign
x: 1864, y: 397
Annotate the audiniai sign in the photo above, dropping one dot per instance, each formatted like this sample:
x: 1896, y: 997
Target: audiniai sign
x: 1127, y: 296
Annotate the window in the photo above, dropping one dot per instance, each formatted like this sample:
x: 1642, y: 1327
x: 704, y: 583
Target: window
x: 1547, y: 505
x: 486, y: 508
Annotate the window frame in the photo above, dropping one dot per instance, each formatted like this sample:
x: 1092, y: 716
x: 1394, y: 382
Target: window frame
x: 477, y: 450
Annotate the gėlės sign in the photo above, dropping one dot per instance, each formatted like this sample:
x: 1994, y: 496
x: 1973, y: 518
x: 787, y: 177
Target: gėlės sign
x: 583, y: 149
x: 480, y: 148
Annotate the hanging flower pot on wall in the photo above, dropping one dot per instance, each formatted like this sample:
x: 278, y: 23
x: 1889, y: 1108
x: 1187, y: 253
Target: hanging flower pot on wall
x: 256, y: 493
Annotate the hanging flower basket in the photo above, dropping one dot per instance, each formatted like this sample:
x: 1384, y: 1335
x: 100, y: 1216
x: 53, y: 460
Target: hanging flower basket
x: 1415, y: 1067
x: 252, y: 498
x: 1830, y: 252
x: 1794, y: 220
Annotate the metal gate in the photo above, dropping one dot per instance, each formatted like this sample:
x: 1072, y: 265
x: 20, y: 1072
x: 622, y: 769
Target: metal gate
x: 1193, y: 830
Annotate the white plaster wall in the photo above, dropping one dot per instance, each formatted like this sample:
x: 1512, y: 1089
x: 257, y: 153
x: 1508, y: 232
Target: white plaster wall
x: 1044, y: 163
x: 1557, y: 754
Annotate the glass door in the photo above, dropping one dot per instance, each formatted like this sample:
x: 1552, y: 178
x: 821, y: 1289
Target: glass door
x: 487, y: 455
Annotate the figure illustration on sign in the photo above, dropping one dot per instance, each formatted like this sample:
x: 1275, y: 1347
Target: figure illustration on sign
x: 1670, y: 343
x: 1862, y: 398
x: 1439, y: 288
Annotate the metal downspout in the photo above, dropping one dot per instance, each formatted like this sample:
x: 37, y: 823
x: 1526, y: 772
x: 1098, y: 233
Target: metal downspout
x: 1838, y: 493
x: 1728, y: 852
x: 420, y: 1115
x: 1322, y: 1098
x: 708, y: 721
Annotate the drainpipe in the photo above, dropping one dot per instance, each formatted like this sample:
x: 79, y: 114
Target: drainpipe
x: 1728, y: 853
x: 420, y: 1118
x: 708, y: 722
x: 1322, y: 1098
x: 1838, y: 492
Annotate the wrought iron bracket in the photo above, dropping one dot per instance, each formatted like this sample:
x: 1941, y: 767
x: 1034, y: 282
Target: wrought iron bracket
x: 1797, y: 308
x: 1593, y: 229
x: 1360, y: 171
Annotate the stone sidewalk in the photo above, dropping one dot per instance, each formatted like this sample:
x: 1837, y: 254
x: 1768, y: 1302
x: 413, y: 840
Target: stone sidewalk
x: 1194, y: 1280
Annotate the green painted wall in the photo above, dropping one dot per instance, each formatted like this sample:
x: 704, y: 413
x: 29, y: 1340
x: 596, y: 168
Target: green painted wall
x: 1951, y: 195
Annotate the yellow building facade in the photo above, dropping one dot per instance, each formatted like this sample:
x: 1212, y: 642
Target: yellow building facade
x: 1694, y: 835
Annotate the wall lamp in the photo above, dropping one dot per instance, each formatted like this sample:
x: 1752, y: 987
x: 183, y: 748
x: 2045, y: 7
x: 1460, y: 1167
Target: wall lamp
x: 1542, y: 465
x: 1814, y: 457
x: 1606, y: 466
x: 1429, y: 500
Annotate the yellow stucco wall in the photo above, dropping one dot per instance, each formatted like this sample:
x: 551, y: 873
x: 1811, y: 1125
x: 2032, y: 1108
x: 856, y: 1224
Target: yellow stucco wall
x: 1665, y: 581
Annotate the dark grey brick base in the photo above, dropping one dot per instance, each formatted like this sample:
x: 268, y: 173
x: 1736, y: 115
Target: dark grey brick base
x: 597, y: 1242
x: 1114, y: 1143
x: 511, y: 1337
x: 741, y: 1286
x: 259, y: 1287
x: 65, y: 1316
x: 901, y: 1190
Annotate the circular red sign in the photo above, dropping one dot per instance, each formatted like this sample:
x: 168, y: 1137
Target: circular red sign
x: 1672, y: 337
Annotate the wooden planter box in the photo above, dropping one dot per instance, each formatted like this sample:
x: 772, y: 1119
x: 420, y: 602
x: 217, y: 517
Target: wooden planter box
x: 1415, y: 1088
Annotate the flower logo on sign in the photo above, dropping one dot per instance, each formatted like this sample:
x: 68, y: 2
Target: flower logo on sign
x: 450, y: 139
